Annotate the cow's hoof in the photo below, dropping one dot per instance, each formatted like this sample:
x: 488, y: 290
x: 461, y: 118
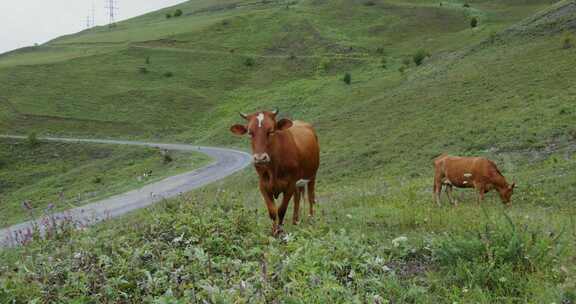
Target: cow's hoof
x: 296, y: 222
x: 277, y: 230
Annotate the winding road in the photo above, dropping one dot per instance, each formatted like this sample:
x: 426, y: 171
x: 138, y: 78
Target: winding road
x: 226, y: 162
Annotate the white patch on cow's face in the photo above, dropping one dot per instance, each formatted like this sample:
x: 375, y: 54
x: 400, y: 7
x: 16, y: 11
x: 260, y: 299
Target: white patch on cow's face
x: 260, y: 118
x: 467, y: 174
x: 465, y: 182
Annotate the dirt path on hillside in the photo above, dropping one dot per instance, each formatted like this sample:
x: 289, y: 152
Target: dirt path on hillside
x: 226, y: 162
x: 240, y: 54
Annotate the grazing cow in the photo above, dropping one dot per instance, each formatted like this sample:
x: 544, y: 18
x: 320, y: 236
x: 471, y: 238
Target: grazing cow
x: 469, y: 172
x: 286, y: 156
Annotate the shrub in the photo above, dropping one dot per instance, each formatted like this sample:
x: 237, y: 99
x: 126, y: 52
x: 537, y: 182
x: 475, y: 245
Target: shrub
x: 168, y: 74
x: 97, y: 180
x: 567, y: 41
x: 32, y: 140
x: 323, y: 65
x: 147, y: 59
x: 498, y: 257
x: 383, y: 62
x: 249, y: 62
x: 347, y: 78
x: 419, y: 56
x: 168, y: 15
x: 178, y: 13
x: 369, y: 3
x: 466, y: 5
x: 166, y: 157
x: 474, y: 22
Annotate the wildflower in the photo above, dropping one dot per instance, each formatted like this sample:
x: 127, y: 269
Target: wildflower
x: 288, y: 237
x: 399, y: 240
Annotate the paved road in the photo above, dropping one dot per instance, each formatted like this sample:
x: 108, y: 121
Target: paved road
x: 226, y: 162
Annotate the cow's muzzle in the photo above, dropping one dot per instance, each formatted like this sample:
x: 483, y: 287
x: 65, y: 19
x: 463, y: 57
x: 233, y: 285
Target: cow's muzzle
x: 262, y: 158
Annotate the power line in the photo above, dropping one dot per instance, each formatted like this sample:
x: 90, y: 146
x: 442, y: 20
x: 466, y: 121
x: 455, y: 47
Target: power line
x: 113, y: 8
x: 91, y: 17
x: 93, y: 14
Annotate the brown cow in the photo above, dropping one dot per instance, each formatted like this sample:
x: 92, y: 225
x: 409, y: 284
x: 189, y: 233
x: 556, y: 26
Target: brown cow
x: 286, y: 156
x: 469, y: 172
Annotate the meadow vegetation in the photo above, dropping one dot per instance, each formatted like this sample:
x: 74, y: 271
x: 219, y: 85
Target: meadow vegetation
x: 424, y: 82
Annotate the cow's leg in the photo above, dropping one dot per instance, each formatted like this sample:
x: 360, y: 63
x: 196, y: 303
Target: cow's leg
x: 437, y: 188
x: 450, y: 196
x: 296, y: 215
x: 283, y: 207
x: 311, y: 196
x: 271, y: 206
x: 481, y: 192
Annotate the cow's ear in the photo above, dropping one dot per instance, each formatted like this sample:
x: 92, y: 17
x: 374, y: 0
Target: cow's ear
x: 283, y: 124
x: 238, y: 129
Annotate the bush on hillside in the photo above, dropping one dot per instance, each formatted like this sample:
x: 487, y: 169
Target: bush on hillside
x: 568, y: 41
x: 168, y: 74
x: 168, y: 15
x: 419, y: 56
x: 474, y: 22
x: 323, y: 65
x: 178, y: 13
x: 466, y: 5
x: 147, y: 59
x: 249, y: 62
x: 32, y: 140
x: 347, y: 78
x: 383, y: 62
x: 166, y: 157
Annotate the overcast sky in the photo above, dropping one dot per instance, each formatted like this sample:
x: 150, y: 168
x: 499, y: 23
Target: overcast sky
x: 25, y: 22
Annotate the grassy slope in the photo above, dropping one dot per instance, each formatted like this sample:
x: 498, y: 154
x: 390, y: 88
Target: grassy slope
x: 506, y: 96
x: 68, y: 175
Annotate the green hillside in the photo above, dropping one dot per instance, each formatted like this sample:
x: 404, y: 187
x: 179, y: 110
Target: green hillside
x: 59, y: 176
x: 503, y: 89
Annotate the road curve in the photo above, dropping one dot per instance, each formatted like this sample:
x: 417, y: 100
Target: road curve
x: 226, y: 162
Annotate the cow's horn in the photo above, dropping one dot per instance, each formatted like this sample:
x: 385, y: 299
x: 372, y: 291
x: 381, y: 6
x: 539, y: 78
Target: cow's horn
x: 275, y: 111
x: 245, y: 116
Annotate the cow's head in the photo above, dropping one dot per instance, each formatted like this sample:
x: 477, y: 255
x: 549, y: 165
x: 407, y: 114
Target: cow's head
x: 261, y: 127
x: 506, y: 193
